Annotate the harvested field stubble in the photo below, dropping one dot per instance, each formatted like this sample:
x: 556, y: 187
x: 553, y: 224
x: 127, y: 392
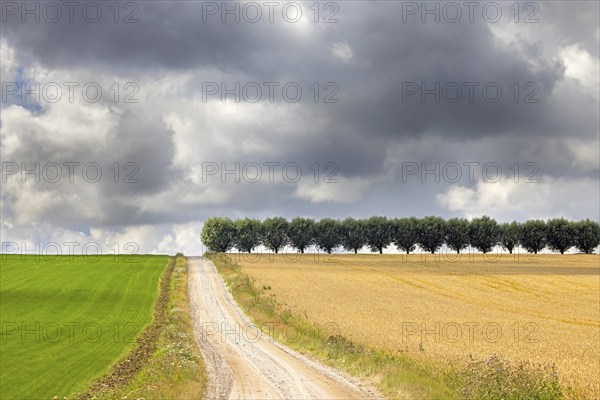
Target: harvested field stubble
x: 541, y: 309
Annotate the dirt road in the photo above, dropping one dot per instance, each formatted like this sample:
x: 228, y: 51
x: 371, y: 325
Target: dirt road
x: 244, y: 364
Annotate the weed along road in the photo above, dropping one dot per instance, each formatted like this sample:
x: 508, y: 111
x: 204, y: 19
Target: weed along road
x: 242, y: 363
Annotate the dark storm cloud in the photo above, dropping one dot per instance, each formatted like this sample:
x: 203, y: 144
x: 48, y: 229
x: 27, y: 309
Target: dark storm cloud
x: 166, y: 35
x: 390, y: 58
x: 421, y: 57
x: 570, y: 22
x: 374, y: 124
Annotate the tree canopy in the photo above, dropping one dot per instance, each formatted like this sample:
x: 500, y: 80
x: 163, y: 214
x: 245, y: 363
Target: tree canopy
x: 484, y: 233
x: 429, y: 233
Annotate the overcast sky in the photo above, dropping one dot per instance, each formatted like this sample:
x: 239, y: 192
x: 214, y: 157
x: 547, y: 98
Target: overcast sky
x: 376, y: 109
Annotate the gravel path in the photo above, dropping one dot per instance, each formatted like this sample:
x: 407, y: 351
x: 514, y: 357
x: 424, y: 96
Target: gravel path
x: 242, y: 363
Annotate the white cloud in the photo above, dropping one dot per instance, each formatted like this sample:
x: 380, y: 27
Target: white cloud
x: 583, y: 67
x: 506, y: 200
x: 135, y: 239
x: 30, y: 203
x: 586, y: 155
x: 184, y: 238
x: 71, y: 127
x: 342, y: 51
x: 8, y: 62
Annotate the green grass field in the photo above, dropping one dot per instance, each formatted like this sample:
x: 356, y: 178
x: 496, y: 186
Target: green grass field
x: 66, y: 320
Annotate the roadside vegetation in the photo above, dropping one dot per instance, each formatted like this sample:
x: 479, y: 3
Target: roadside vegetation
x: 396, y: 373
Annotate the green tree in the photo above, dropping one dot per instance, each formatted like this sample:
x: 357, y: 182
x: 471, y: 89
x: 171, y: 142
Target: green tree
x: 432, y: 233
x: 218, y: 234
x: 327, y: 234
x: 509, y: 235
x: 301, y: 233
x: 587, y: 236
x: 533, y: 235
x: 275, y: 233
x: 484, y: 233
x: 248, y: 235
x: 405, y: 233
x: 560, y: 234
x: 352, y: 234
x: 457, y: 234
x: 378, y: 233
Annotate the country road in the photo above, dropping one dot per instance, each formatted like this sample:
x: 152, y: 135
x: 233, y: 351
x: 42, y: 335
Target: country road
x: 241, y: 364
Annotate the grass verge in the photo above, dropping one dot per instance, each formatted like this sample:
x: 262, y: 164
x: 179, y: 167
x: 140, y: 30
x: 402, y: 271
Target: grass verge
x: 395, y: 374
x: 166, y: 362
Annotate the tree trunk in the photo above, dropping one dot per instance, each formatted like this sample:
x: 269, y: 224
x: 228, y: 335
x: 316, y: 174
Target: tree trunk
x: 562, y: 251
x: 355, y: 251
x: 381, y: 250
x: 328, y: 251
x: 407, y: 251
x: 302, y: 250
x: 276, y: 250
x: 458, y: 251
x: 432, y: 251
x: 510, y: 251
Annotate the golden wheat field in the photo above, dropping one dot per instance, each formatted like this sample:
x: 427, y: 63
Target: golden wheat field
x: 543, y: 308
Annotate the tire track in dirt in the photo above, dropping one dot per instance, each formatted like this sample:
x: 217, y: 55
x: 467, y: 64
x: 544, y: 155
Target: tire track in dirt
x: 254, y: 366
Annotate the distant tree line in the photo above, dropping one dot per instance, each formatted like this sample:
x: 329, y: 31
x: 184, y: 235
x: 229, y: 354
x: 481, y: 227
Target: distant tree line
x: 429, y: 233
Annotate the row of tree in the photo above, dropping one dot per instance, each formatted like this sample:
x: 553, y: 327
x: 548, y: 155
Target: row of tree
x: 429, y: 233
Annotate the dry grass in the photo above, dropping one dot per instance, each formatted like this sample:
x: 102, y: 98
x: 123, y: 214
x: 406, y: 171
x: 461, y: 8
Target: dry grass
x: 544, y: 309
